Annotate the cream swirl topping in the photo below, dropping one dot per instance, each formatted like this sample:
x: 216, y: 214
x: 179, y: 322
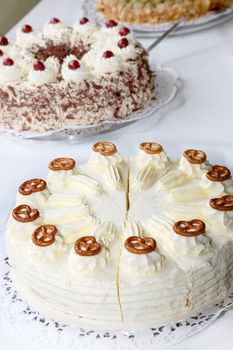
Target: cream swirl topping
x: 21, y: 230
x: 162, y: 229
x: 113, y: 177
x: 57, y: 180
x: 98, y: 162
x: 158, y: 160
x: 132, y: 229
x: 192, y: 169
x: 105, y: 233
x: 86, y: 264
x: 74, y: 230
x: 215, y: 188
x: 104, y: 65
x: 41, y: 77
x: 128, y: 52
x: 63, y: 199
x: 68, y: 215
x: 35, y: 200
x: 23, y: 39
x: 144, y: 178
x: 142, y: 264
x: 9, y: 73
x: 74, y: 75
x: 84, y: 184
x: 218, y: 218
x: 172, y: 179
x: 58, y: 32
x: 86, y: 31
x: 37, y: 255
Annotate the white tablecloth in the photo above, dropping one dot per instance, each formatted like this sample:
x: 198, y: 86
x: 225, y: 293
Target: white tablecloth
x: 200, y: 116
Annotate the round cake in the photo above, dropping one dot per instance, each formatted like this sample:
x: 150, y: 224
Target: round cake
x: 158, y: 11
x: 67, y: 77
x: 123, y: 243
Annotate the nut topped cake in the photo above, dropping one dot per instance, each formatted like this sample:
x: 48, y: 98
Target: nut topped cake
x: 158, y: 11
x: 67, y: 77
x: 123, y: 243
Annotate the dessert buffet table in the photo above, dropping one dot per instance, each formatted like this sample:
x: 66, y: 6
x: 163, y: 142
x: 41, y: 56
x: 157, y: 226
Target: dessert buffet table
x: 199, y: 117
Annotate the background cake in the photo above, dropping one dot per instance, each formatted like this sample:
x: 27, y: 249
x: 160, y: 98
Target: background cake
x: 66, y: 76
x: 124, y: 243
x: 158, y: 11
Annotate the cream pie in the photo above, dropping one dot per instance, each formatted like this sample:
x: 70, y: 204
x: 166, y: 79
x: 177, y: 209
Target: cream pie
x: 123, y: 243
x: 72, y: 76
x: 158, y: 11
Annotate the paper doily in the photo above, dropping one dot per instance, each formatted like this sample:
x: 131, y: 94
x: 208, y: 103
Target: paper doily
x: 166, y: 87
x: 147, y: 30
x: 26, y: 325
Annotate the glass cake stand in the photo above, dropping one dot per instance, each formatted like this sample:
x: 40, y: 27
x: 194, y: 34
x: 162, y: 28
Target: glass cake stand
x: 166, y: 82
x: 146, y: 30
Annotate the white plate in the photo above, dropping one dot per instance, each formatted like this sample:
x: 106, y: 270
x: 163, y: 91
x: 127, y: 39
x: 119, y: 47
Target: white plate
x: 145, y: 30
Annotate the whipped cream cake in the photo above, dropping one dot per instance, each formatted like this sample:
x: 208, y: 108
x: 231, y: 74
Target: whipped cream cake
x: 72, y: 76
x: 123, y: 243
x: 158, y: 11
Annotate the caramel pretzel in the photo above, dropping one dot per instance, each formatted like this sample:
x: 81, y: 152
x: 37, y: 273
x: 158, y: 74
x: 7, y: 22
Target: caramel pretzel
x: 218, y: 173
x: 105, y: 148
x: 195, y: 156
x: 24, y: 213
x: 140, y: 245
x: 224, y: 203
x: 189, y: 228
x: 44, y: 235
x: 151, y: 147
x: 62, y: 164
x: 87, y: 246
x: 31, y: 186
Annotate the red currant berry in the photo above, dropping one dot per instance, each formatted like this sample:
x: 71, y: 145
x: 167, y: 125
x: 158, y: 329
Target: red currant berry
x: 111, y: 23
x: 1, y: 53
x: 124, y: 31
x: 8, y: 62
x: 26, y: 28
x: 108, y: 54
x: 4, y: 41
x: 84, y: 20
x: 123, y: 43
x: 54, y: 20
x: 74, y: 64
x: 39, y: 66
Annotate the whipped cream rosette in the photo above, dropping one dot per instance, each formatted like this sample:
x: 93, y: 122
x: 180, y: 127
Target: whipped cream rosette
x: 124, y: 242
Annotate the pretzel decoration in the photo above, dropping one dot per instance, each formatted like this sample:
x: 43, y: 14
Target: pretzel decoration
x: 31, y: 186
x: 62, y: 164
x: 151, y: 147
x: 24, y: 213
x: 87, y: 246
x: 195, y: 156
x: 189, y: 228
x: 105, y: 148
x: 224, y: 203
x: 44, y: 235
x: 140, y: 245
x: 218, y: 173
